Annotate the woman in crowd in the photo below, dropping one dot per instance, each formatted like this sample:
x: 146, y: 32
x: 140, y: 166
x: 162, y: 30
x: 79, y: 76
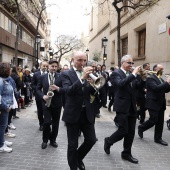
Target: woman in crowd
x: 26, y: 79
x: 6, y: 100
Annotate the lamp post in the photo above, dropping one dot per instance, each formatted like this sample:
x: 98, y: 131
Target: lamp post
x: 168, y: 17
x: 87, y: 53
x: 104, y: 44
x: 37, y: 42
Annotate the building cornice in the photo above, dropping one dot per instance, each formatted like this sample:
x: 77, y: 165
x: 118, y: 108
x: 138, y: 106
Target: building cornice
x: 100, y: 31
x: 132, y: 16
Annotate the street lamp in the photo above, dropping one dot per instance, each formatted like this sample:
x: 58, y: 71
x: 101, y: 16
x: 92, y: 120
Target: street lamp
x: 104, y: 44
x: 87, y: 53
x: 37, y: 42
x: 168, y: 17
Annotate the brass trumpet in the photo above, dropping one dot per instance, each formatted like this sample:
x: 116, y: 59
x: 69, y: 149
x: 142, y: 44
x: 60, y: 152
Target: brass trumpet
x: 98, y: 81
x: 144, y: 74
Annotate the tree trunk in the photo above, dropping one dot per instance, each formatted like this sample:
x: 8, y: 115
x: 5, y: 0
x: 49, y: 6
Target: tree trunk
x: 35, y: 43
x: 17, y: 35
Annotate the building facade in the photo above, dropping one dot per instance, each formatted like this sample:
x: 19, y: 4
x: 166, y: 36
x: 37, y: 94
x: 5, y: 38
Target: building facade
x: 30, y: 11
x: 143, y: 33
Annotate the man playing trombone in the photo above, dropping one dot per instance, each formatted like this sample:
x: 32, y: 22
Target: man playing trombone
x: 50, y: 91
x: 79, y: 112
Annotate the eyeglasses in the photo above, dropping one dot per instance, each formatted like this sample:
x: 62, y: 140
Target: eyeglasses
x: 130, y: 63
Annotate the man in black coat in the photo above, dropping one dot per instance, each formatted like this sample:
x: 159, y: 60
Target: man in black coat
x: 38, y: 99
x: 125, y: 107
x: 79, y: 112
x: 50, y: 82
x: 156, y: 104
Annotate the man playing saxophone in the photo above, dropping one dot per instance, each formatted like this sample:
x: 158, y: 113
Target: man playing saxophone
x: 49, y: 88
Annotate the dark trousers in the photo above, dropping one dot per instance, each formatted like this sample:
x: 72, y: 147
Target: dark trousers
x: 40, y: 112
x: 111, y: 101
x: 51, y: 117
x: 125, y: 130
x: 74, y: 153
x: 157, y: 119
x: 11, y: 112
x: 142, y: 109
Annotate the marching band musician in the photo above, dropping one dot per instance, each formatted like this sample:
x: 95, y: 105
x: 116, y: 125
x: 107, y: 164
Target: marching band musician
x: 141, y: 97
x: 50, y: 82
x: 125, y: 107
x: 34, y: 82
x: 79, y: 112
x: 156, y: 104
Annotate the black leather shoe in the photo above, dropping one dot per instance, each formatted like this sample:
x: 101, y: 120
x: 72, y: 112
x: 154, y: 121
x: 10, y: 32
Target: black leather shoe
x: 105, y: 106
x: 107, y: 146
x: 80, y: 165
x: 41, y: 128
x: 130, y: 159
x: 160, y: 141
x: 54, y: 144
x: 109, y: 109
x: 44, y: 145
x: 140, y: 133
x: 23, y: 107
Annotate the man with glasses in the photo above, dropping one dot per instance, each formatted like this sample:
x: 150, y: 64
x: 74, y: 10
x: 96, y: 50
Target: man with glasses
x: 125, y: 107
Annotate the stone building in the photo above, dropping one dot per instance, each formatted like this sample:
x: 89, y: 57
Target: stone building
x: 144, y: 33
x: 30, y: 11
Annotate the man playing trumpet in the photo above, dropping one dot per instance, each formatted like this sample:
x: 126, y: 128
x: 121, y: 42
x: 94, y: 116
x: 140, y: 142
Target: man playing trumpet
x: 79, y: 112
x: 156, y: 104
x: 125, y: 107
x: 50, y: 83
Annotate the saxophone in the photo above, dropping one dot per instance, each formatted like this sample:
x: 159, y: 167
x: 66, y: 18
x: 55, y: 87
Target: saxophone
x: 50, y: 93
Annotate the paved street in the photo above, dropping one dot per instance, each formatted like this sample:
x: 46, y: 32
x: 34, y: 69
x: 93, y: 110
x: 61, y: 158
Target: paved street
x: 28, y: 155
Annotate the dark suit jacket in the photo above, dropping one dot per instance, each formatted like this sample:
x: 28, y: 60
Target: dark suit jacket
x: 125, y: 91
x: 155, y: 96
x: 76, y: 97
x: 34, y: 83
x: 43, y: 87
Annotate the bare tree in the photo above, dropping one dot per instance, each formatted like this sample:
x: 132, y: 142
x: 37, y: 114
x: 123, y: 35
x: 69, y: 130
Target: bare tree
x: 97, y: 56
x: 65, y: 44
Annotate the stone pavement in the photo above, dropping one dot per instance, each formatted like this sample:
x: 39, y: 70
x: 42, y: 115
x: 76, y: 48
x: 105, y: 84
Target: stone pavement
x: 28, y: 155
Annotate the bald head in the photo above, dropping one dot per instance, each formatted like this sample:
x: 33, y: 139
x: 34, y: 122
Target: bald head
x: 79, y: 59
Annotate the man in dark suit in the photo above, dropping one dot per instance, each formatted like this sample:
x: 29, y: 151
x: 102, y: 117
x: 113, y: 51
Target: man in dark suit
x: 38, y: 99
x: 125, y: 107
x: 141, y: 97
x: 50, y: 82
x: 156, y: 104
x: 79, y: 112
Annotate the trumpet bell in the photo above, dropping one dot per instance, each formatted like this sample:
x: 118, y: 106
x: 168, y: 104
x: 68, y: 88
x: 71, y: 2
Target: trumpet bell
x: 98, y: 81
x: 50, y: 94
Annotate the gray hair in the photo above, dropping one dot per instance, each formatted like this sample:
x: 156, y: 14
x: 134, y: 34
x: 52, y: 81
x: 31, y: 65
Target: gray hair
x: 125, y: 57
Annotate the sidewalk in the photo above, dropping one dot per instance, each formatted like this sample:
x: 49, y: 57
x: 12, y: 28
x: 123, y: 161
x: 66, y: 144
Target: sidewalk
x: 28, y: 155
